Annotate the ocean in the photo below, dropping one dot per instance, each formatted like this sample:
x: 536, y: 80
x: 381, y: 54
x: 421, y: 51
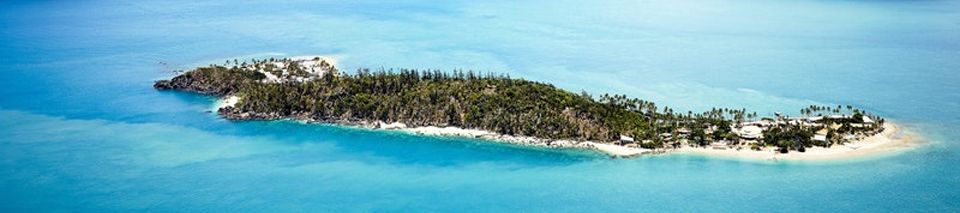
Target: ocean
x: 82, y: 129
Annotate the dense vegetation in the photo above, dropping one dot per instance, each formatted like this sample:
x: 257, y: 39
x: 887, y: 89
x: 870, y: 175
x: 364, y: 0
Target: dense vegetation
x: 213, y: 80
x: 470, y: 100
x: 491, y: 102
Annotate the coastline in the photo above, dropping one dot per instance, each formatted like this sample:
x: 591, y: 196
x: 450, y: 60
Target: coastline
x: 228, y: 101
x: 892, y: 140
x: 608, y: 149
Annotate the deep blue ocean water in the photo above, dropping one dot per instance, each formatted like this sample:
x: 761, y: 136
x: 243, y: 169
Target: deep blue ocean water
x: 82, y: 130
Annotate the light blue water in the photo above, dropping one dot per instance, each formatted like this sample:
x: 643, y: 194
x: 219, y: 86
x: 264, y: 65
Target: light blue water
x: 81, y: 129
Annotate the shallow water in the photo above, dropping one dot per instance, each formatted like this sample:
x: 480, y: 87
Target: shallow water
x: 82, y: 129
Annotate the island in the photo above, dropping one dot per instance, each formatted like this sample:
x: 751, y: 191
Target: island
x: 497, y: 107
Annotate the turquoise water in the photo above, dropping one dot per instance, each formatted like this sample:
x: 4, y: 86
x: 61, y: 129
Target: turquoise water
x: 81, y: 129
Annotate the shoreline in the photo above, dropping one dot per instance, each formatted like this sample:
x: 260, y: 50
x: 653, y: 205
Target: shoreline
x: 608, y: 149
x: 893, y: 139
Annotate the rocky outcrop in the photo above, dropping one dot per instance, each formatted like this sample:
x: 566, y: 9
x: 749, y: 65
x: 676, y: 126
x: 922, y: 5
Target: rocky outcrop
x: 189, y: 84
x: 215, y: 80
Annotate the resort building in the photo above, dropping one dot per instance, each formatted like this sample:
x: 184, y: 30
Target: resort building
x: 839, y: 116
x: 820, y: 137
x: 751, y: 132
x: 626, y: 140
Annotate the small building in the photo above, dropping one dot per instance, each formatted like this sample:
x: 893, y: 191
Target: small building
x: 751, y: 132
x: 838, y: 116
x: 820, y: 137
x: 626, y: 140
x: 867, y: 120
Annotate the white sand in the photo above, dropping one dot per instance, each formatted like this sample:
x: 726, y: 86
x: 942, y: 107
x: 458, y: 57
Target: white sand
x: 449, y: 131
x: 891, y: 140
x: 225, y: 102
x: 394, y: 125
x: 617, y: 150
x: 613, y: 150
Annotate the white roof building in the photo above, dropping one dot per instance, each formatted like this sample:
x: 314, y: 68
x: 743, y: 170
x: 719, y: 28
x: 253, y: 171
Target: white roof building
x: 820, y: 137
x: 751, y: 132
x: 867, y: 120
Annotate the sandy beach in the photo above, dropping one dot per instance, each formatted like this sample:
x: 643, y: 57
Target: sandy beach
x: 609, y: 149
x: 228, y: 101
x: 892, y: 140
